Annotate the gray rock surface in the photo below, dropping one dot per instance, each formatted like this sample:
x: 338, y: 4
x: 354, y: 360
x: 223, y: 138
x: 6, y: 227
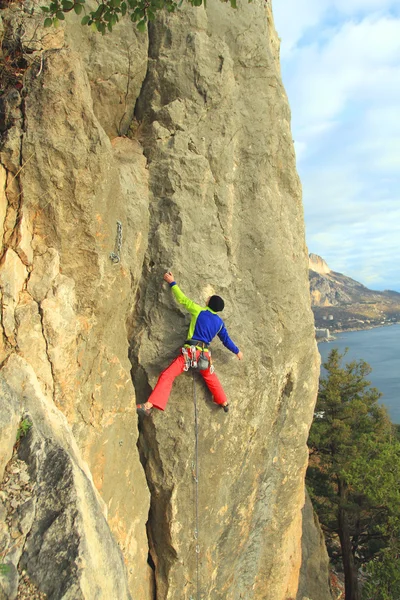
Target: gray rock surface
x: 9, y: 583
x: 9, y: 420
x: 59, y: 534
x: 314, y: 574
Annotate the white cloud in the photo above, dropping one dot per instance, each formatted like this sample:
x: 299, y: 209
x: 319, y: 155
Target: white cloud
x: 341, y: 68
x: 351, y: 7
x: 359, y: 62
x: 294, y: 17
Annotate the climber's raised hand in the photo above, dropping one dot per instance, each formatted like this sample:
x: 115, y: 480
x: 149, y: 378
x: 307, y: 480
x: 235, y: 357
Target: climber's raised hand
x: 169, y: 278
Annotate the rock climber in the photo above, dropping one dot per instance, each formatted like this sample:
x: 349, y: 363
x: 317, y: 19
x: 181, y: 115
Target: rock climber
x: 205, y: 324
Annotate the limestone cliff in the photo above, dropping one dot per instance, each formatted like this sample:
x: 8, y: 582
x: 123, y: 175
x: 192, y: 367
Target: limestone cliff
x: 318, y: 264
x: 171, y: 150
x: 342, y: 303
x: 314, y: 573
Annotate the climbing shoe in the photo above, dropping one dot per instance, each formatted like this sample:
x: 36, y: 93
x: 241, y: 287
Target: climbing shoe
x: 142, y: 410
x: 226, y: 408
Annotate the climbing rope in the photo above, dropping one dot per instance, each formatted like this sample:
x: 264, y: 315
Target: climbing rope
x: 196, y: 487
x: 116, y: 255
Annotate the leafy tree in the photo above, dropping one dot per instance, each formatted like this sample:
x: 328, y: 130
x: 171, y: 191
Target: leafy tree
x: 107, y: 13
x: 354, y: 472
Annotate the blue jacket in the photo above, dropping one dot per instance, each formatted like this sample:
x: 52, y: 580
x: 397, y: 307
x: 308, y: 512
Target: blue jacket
x: 205, y: 323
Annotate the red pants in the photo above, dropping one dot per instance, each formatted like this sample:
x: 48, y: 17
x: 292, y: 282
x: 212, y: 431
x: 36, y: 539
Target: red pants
x: 160, y: 395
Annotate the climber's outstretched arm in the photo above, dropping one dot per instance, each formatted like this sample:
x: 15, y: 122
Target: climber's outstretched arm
x: 227, y: 342
x: 191, y: 306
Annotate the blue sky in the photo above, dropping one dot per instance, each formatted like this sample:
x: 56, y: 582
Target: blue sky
x: 341, y: 68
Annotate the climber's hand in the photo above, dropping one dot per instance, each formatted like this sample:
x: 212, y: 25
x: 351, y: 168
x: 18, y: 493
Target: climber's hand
x: 169, y: 278
x: 240, y: 355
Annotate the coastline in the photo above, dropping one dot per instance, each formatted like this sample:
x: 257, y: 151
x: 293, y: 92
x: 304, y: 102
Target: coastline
x: 380, y: 348
x: 368, y: 328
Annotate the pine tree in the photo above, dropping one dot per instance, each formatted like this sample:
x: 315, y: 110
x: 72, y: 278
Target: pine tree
x: 354, y: 472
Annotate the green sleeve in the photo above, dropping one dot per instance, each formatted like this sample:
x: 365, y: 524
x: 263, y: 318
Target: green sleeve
x: 191, y: 306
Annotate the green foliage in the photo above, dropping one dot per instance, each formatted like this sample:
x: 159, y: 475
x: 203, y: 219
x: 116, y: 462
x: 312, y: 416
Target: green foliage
x: 108, y: 12
x: 23, y: 429
x: 4, y: 569
x: 383, y: 575
x: 354, y: 473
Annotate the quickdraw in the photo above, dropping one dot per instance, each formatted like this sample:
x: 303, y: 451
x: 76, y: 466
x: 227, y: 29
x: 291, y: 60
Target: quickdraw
x: 193, y: 352
x: 187, y: 359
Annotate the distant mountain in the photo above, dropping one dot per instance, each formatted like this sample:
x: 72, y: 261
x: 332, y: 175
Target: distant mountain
x: 341, y: 303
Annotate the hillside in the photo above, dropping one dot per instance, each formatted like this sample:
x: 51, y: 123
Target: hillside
x: 341, y: 303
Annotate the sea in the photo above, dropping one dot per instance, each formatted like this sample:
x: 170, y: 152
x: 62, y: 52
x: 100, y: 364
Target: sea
x: 380, y: 348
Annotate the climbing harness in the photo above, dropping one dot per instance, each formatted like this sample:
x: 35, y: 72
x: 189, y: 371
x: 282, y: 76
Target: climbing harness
x: 195, y: 466
x: 203, y: 362
x: 116, y: 255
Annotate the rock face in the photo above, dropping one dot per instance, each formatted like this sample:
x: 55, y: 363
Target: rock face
x: 58, y: 534
x: 204, y: 183
x: 314, y: 574
x: 318, y: 264
x: 223, y: 192
x: 65, y: 303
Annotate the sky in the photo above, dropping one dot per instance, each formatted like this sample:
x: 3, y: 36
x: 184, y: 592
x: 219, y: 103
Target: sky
x: 340, y: 63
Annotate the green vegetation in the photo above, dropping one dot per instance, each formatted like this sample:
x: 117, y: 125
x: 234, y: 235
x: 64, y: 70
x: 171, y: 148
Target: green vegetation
x: 23, y: 429
x: 4, y: 569
x: 354, y: 480
x: 108, y: 12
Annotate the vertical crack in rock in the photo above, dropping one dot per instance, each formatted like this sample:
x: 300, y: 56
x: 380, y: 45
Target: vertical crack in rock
x: 162, y: 211
x: 14, y: 226
x: 123, y: 127
x: 161, y: 549
x: 53, y: 374
x: 12, y: 123
x: 147, y: 447
x: 159, y: 539
x: 4, y: 342
x: 13, y: 271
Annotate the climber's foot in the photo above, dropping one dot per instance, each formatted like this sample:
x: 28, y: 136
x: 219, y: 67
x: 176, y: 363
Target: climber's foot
x: 144, y: 409
x: 226, y: 407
